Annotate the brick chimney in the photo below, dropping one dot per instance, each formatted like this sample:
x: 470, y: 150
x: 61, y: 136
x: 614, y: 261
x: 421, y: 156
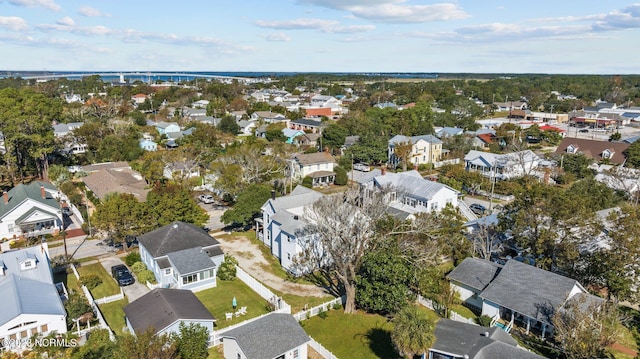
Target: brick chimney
x: 383, y: 170
x: 5, y: 195
x: 42, y: 192
x: 273, y: 194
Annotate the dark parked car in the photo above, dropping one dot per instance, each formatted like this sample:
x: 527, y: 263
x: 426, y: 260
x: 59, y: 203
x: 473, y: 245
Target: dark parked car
x: 122, y: 275
x: 477, y: 208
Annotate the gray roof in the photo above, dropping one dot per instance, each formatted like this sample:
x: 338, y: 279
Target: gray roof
x: 528, y: 290
x: 411, y: 183
x: 413, y: 139
x: 307, y: 122
x: 190, y: 260
x: 477, y: 342
x: 162, y: 307
x: 174, y: 237
x: 268, y: 337
x: 18, y: 194
x: 475, y: 273
x: 29, y: 291
x: 299, y: 197
x: 117, y: 180
x: 314, y: 158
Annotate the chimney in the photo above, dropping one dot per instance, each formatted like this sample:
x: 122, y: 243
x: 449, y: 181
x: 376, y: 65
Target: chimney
x: 42, y: 192
x: 295, y: 217
x: 415, y: 167
x: 273, y: 194
x: 383, y: 170
x: 6, y: 197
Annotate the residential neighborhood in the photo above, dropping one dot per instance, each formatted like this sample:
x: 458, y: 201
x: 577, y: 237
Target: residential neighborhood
x: 320, y: 217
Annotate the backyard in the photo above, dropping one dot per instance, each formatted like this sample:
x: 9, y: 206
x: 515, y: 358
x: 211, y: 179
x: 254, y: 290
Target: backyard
x: 107, y: 287
x: 362, y: 335
x: 218, y: 301
x: 114, y: 314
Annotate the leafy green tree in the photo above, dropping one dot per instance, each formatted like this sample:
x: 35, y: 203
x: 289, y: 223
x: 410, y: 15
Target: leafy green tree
x: 166, y: 204
x: 341, y: 176
x: 97, y: 346
x: 274, y: 132
x: 577, y: 164
x: 307, y: 182
x: 413, y: 331
x: 121, y: 214
x: 76, y: 306
x: 229, y: 125
x: 227, y: 269
x: 615, y: 136
x: 333, y: 136
x: 247, y: 205
x: 632, y: 153
x: 145, y: 345
x: 384, y: 280
x: 132, y: 258
x: 216, y: 107
x: 59, y: 174
x: 192, y: 342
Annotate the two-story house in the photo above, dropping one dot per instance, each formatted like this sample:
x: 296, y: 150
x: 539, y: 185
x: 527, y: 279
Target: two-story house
x: 181, y: 255
x: 599, y: 151
x: 319, y: 166
x: 31, y: 304
x: 30, y: 210
x: 502, y: 166
x: 282, y: 222
x: 425, y: 149
x: 409, y: 194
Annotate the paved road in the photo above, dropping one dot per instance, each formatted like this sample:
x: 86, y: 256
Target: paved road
x: 134, y: 291
x: 215, y: 212
x: 79, y: 248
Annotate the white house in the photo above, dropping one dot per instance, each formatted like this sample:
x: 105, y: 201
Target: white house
x: 319, y: 166
x: 502, y: 166
x: 30, y: 210
x: 516, y: 293
x: 165, y: 127
x: 31, y: 303
x: 281, y: 222
x: 181, y: 255
x: 274, y: 336
x: 148, y: 145
x: 181, y: 170
x: 410, y: 194
x: 164, y: 310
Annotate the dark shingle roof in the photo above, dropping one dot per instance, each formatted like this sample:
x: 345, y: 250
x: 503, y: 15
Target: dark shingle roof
x: 175, y: 237
x: 475, y: 273
x: 477, y: 342
x: 314, y: 158
x: 190, y: 260
x: 594, y: 149
x: 528, y: 290
x: 162, y: 307
x: 268, y: 337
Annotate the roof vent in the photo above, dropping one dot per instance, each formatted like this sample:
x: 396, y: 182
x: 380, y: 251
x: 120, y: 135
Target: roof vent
x: 486, y: 334
x: 295, y: 216
x: 175, y: 225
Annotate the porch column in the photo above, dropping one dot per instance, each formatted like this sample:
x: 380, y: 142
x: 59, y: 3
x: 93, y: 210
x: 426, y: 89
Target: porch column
x: 544, y: 329
x: 528, y: 325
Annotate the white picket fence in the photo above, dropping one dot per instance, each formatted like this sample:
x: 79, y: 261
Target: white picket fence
x: 436, y: 308
x: 111, y: 298
x: 262, y: 291
x: 152, y: 286
x: 321, y: 350
x: 305, y: 314
x: 453, y: 161
x: 94, y: 305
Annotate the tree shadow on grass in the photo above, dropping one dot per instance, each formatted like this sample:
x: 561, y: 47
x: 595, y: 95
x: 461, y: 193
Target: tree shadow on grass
x: 380, y: 343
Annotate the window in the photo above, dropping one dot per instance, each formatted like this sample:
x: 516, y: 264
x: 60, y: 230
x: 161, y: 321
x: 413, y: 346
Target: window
x: 289, y: 256
x: 167, y: 271
x: 44, y: 328
x: 239, y: 356
x: 23, y: 334
x: 434, y: 206
x: 189, y: 278
x: 296, y: 354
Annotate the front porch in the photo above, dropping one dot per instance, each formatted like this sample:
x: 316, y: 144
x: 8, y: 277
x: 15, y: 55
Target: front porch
x: 507, y: 320
x: 322, y: 178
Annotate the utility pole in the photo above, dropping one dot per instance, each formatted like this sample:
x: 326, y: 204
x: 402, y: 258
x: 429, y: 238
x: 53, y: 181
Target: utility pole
x: 88, y: 214
x: 493, y: 186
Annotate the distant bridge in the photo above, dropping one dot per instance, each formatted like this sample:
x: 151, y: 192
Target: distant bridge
x: 137, y: 75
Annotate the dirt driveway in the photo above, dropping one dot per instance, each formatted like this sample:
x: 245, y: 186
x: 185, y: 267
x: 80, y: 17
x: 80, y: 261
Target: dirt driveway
x: 252, y: 261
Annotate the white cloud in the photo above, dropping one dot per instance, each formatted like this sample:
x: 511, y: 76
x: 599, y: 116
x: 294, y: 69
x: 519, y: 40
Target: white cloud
x: 89, y: 11
x: 328, y: 26
x: 276, y: 37
x: 13, y: 23
x: 66, y: 21
x: 47, y: 4
x: 394, y: 11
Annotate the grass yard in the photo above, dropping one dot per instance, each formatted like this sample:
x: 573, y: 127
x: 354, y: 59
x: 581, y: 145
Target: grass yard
x: 216, y: 352
x: 68, y: 279
x: 361, y: 335
x: 463, y: 311
x: 114, y: 314
x: 218, y: 301
x: 107, y: 287
x: 297, y: 302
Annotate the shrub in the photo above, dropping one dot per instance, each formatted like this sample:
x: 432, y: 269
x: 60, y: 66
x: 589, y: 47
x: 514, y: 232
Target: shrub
x: 132, y: 258
x: 91, y: 281
x: 76, y: 306
x: 337, y: 306
x: 307, y: 182
x: 138, y: 267
x: 341, y: 176
x: 484, y: 320
x: 323, y: 314
x: 146, y: 276
x: 227, y: 269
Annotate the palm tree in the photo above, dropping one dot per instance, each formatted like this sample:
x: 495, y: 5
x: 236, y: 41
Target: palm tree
x: 413, y: 331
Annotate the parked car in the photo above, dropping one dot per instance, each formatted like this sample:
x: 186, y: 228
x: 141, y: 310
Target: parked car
x: 122, y: 275
x: 477, y: 208
x: 364, y: 167
x: 67, y: 211
x: 584, y: 130
x: 206, y: 198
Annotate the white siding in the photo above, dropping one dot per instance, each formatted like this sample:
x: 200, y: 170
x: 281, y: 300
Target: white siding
x: 490, y: 309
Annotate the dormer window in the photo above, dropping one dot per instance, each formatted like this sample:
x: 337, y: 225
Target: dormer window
x: 607, y: 154
x: 28, y: 263
x: 572, y: 149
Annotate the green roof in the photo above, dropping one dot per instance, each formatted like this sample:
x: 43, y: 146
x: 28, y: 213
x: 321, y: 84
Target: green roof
x: 18, y: 194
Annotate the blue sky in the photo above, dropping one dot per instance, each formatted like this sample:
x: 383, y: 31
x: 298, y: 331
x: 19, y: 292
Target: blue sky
x: 562, y: 36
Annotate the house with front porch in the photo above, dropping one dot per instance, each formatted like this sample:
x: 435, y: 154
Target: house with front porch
x: 502, y: 166
x: 30, y: 210
x: 516, y: 293
x: 282, y: 222
x: 319, y: 166
x: 181, y: 255
x: 424, y: 149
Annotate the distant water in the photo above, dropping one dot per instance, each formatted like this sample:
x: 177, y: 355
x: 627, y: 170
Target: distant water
x: 190, y: 75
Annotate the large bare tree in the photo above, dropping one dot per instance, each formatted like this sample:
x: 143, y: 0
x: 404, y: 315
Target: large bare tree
x: 341, y: 229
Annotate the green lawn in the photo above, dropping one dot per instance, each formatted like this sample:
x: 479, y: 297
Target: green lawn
x: 114, y: 314
x: 218, y: 301
x: 297, y: 302
x: 69, y: 280
x: 216, y: 352
x: 107, y: 287
x: 360, y: 335
x: 463, y: 311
